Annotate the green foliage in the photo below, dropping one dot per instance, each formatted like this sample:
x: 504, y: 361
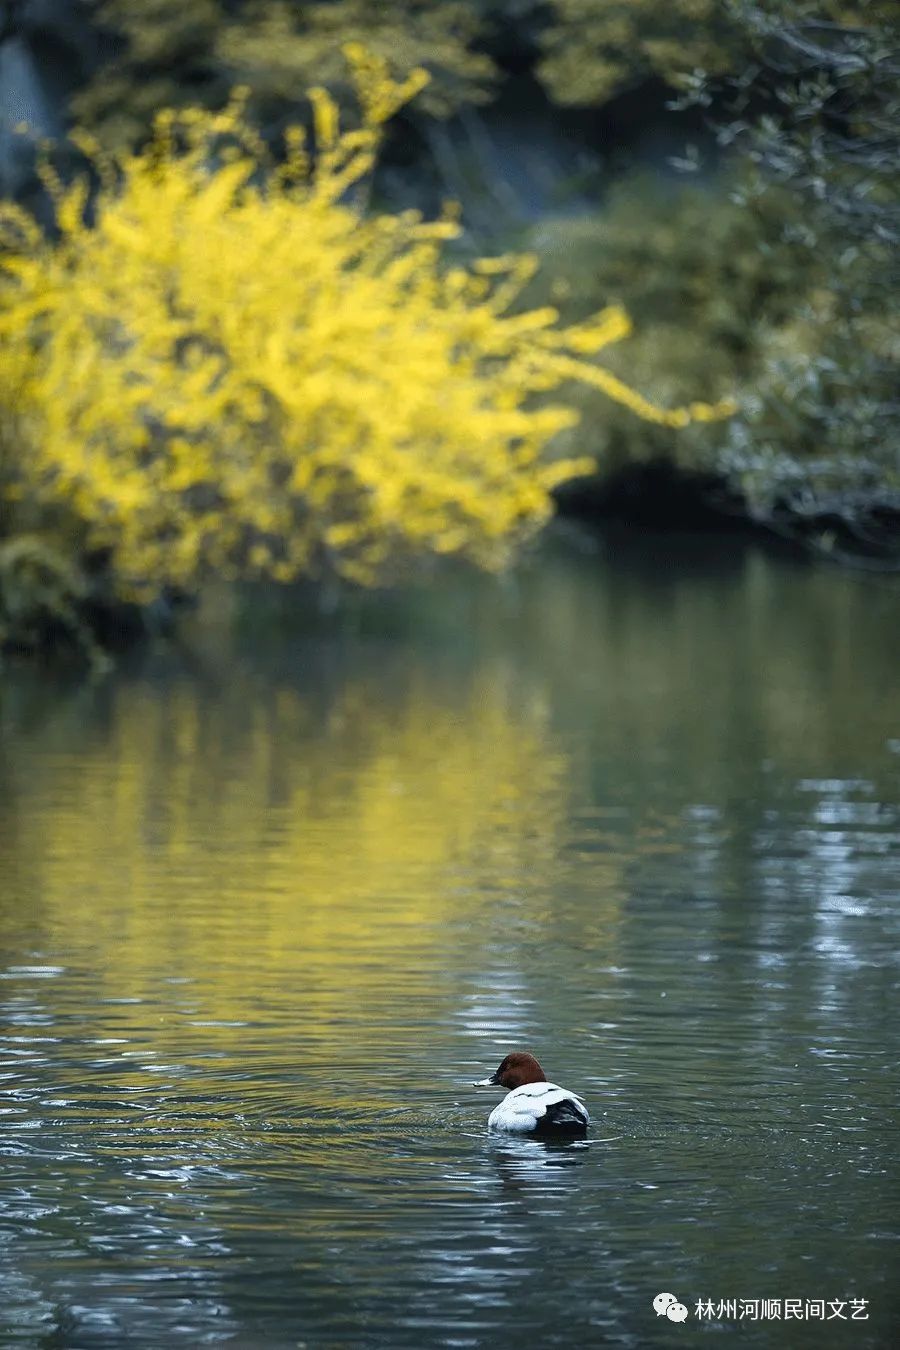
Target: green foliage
x: 44, y: 600
x: 584, y: 51
x: 816, y: 439
x: 176, y: 54
x: 592, y: 51
x: 818, y: 432
x: 699, y: 272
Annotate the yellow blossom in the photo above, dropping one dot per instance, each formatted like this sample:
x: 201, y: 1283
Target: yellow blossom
x: 234, y: 370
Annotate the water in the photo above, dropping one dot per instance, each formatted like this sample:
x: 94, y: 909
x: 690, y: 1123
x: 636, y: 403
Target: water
x: 268, y: 907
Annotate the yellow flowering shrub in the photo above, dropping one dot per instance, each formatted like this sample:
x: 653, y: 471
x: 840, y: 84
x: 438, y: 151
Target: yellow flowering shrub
x: 232, y: 370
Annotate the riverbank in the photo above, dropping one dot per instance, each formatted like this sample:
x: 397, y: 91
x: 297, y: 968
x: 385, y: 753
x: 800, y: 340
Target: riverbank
x: 660, y: 497
x: 652, y: 515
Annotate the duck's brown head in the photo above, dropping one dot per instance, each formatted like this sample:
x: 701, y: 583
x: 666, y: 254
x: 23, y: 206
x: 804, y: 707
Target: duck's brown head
x: 514, y: 1071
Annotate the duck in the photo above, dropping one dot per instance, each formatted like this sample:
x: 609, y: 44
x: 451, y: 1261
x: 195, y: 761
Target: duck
x: 532, y: 1105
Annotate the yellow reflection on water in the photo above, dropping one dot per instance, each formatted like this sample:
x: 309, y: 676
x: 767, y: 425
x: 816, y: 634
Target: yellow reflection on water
x: 277, y: 847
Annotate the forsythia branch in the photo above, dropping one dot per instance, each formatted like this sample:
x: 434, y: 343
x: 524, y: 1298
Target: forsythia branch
x: 234, y: 371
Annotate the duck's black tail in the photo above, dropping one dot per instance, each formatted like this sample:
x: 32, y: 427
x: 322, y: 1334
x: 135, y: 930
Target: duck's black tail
x: 564, y: 1118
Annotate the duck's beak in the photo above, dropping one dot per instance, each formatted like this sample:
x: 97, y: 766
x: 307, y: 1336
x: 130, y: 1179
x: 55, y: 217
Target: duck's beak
x: 486, y: 1082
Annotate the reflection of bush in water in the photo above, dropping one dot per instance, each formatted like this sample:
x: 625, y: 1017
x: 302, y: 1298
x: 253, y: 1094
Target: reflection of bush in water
x: 713, y: 663
x: 316, y: 846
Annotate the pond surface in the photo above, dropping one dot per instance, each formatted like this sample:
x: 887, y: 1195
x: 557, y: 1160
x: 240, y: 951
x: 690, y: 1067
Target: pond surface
x: 267, y: 908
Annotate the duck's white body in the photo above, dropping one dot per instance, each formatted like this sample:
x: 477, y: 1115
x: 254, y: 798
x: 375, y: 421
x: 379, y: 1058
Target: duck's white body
x: 539, y: 1106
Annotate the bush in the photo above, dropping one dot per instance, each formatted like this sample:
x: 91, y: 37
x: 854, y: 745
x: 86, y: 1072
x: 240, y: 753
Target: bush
x: 816, y: 443
x: 234, y: 372
x: 45, y: 600
x: 704, y: 277
x: 170, y: 54
x: 593, y: 51
x: 583, y: 52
